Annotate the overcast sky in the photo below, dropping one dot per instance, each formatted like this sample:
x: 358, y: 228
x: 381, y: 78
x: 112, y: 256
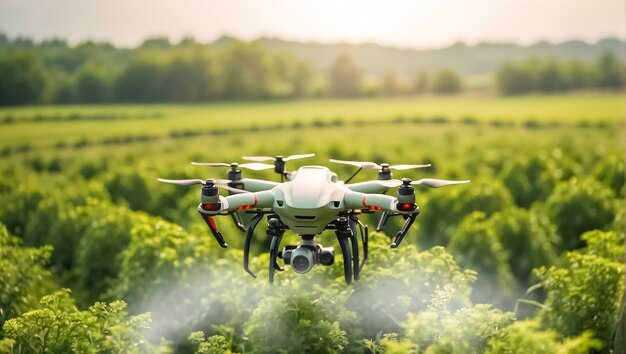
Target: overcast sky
x: 404, y: 23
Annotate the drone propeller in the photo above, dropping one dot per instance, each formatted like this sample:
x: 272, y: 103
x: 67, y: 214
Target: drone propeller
x: 234, y: 165
x: 366, y: 165
x: 222, y: 183
x: 277, y: 158
x: 428, y: 182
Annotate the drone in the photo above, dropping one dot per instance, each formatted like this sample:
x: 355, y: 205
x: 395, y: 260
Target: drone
x: 308, y: 201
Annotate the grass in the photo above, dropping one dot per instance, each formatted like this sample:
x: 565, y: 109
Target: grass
x: 163, y: 120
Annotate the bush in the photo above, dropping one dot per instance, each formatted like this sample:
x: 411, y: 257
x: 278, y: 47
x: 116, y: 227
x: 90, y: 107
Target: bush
x: 298, y: 322
x: 100, y: 247
x: 578, y: 206
x: 24, y: 278
x: 445, y: 208
x: 585, y: 292
x: 58, y: 327
x: 610, y: 172
x: 526, y: 337
x: 529, y: 179
x: 130, y: 187
x: 213, y: 345
x: 528, y: 239
x: 476, y: 245
x: 399, y: 281
x: 468, y: 330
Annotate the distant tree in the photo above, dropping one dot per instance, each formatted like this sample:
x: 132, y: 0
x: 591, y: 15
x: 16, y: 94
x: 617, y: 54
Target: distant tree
x: 580, y: 75
x: 345, y: 77
x: 22, y: 78
x: 4, y: 41
x: 92, y: 84
x: 246, y: 72
x: 157, y: 42
x: 610, y: 73
x: 291, y: 77
x: 141, y: 81
x: 191, y: 78
x: 302, y: 80
x: 421, y: 83
x: 514, y: 79
x: 446, y: 82
x: 550, y: 77
x: 390, y: 85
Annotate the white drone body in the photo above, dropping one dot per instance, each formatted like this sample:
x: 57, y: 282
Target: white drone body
x: 311, y: 200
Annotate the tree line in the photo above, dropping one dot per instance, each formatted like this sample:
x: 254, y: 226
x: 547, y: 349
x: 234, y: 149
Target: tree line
x: 53, y: 72
x: 544, y: 75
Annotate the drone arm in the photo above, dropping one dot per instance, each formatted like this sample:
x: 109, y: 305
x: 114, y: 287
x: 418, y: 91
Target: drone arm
x: 246, y: 201
x: 258, y: 185
x: 367, y: 187
x: 374, y: 202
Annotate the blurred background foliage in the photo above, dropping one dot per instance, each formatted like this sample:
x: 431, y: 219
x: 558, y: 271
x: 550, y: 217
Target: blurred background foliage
x: 528, y: 258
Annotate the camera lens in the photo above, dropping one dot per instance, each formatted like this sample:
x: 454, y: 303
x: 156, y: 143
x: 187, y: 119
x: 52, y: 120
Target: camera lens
x: 300, y: 263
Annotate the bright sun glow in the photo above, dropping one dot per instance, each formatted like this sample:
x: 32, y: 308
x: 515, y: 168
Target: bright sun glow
x: 414, y: 23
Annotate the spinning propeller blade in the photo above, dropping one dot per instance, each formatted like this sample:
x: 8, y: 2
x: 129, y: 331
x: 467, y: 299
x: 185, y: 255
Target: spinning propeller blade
x: 221, y: 183
x: 296, y: 157
x: 182, y: 182
x: 428, y: 182
x: 252, y: 166
x: 213, y: 164
x: 367, y: 165
x: 408, y: 167
x: 268, y: 158
x: 436, y: 183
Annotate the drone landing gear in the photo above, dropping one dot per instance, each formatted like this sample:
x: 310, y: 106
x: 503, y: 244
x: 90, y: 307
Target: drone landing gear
x: 405, y: 228
x: 409, y: 219
x: 246, y: 245
x: 275, y: 230
x: 349, y: 243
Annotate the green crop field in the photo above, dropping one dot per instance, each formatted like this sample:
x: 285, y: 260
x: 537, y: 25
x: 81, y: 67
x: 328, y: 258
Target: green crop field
x: 57, y: 124
x: 544, y: 211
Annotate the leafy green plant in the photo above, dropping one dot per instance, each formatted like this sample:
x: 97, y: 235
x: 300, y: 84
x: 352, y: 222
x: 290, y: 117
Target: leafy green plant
x: 58, y: 327
x: 216, y: 344
x: 585, y: 292
x: 577, y: 206
x: 297, y: 322
x: 401, y: 281
x: 467, y: 330
x: 528, y: 239
x: 527, y: 337
x: 529, y: 178
x: 23, y: 276
x: 443, y: 213
x: 476, y: 245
